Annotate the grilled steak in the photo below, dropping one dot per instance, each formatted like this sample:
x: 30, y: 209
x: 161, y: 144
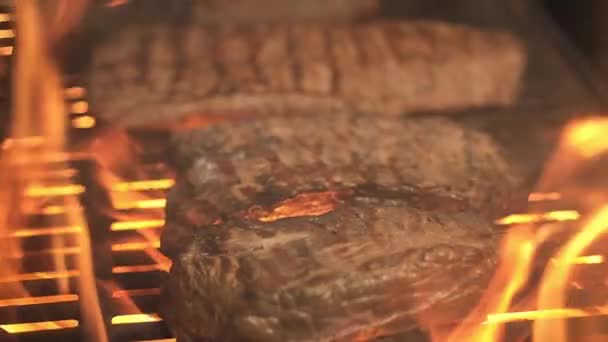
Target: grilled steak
x: 328, y: 226
x: 160, y: 73
x: 232, y: 167
x: 342, y: 266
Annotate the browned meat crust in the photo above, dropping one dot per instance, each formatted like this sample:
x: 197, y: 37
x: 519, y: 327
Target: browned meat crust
x: 231, y: 167
x: 310, y: 228
x: 151, y: 74
x: 364, y: 269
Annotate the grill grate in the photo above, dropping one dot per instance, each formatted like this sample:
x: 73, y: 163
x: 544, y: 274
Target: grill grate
x: 130, y: 277
x: 138, y: 266
x: 127, y: 263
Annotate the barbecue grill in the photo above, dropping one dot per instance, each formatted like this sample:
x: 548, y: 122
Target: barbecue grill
x: 557, y: 86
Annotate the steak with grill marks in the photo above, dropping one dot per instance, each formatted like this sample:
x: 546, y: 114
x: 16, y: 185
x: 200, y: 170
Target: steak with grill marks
x: 157, y: 74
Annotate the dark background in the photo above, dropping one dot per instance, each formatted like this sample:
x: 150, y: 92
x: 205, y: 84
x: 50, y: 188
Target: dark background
x: 585, y: 22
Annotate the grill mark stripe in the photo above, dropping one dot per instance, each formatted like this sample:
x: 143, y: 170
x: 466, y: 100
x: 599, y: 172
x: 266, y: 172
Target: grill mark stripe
x: 296, y: 73
x: 331, y: 60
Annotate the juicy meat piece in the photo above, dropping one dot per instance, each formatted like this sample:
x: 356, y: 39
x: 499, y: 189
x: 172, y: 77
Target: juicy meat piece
x: 255, y: 11
x: 160, y: 73
x: 329, y: 227
x: 229, y: 168
x: 367, y: 268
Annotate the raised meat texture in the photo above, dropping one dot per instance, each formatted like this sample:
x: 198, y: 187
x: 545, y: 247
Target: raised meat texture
x: 367, y: 268
x: 329, y: 226
x: 231, y: 167
x: 161, y: 73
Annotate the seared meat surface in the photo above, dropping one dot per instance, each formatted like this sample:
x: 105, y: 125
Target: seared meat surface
x: 329, y: 227
x: 368, y: 267
x: 231, y: 167
x: 312, y: 211
x: 154, y: 74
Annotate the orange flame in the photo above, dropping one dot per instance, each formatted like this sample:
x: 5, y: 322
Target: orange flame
x: 588, y: 137
x: 38, y: 300
x: 307, y: 204
x: 555, y: 280
x: 135, y: 318
x: 518, y: 249
x: 18, y: 328
x: 544, y: 196
x: 83, y: 122
x: 136, y: 292
x: 559, y: 215
x: 544, y: 315
x: 38, y: 136
x: 138, y: 201
x: 583, y: 144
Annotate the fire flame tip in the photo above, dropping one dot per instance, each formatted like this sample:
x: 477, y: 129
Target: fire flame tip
x: 18, y: 328
x: 136, y: 318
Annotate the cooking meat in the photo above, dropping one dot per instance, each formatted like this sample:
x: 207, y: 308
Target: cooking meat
x: 366, y: 265
x: 163, y: 74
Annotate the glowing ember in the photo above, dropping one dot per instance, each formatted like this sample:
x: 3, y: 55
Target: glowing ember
x: 53, y: 210
x: 141, y: 268
x: 39, y: 326
x: 159, y: 184
x: 157, y: 203
x: 588, y: 136
x: 135, y: 293
x: 83, y: 122
x: 24, y: 142
x: 39, y: 276
x: 544, y: 314
x: 309, y: 204
x: 46, y: 231
x: 135, y: 246
x: 544, y: 196
x: 134, y: 225
x: 38, y: 300
x: 589, y: 260
x: 53, y: 191
x: 561, y: 215
x: 75, y: 92
x: 64, y: 251
x: 79, y: 107
x: 136, y: 318
x: 7, y: 34
x: 53, y: 174
x: 6, y: 50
